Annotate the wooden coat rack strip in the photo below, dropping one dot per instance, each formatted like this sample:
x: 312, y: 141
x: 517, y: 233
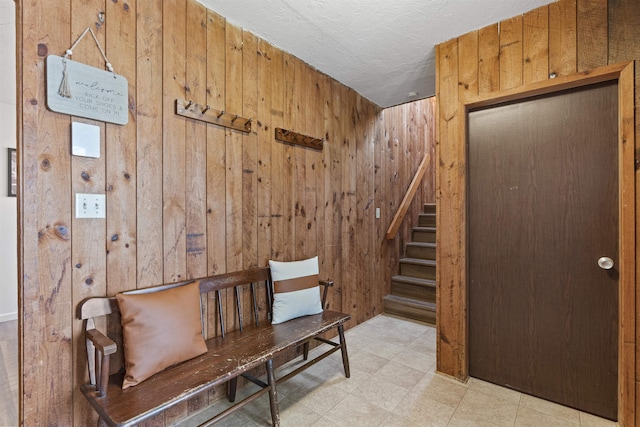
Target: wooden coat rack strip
x: 284, y: 135
x: 207, y: 114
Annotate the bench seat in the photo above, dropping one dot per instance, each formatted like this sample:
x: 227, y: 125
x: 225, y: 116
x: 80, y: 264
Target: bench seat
x: 227, y: 358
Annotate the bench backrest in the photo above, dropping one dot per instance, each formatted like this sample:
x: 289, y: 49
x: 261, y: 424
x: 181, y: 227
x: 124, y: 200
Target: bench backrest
x: 104, y: 306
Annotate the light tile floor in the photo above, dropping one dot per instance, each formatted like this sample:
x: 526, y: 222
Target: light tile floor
x: 393, y: 384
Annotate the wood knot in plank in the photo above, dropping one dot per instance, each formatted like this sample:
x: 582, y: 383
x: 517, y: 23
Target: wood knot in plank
x: 46, y: 164
x: 85, y: 176
x: 43, y: 50
x: 62, y: 232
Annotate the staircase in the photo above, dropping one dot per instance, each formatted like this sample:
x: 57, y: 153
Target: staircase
x: 413, y: 291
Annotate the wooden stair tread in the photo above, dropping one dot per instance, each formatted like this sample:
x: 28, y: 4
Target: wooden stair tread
x: 422, y: 244
x: 416, y: 281
x: 418, y: 261
x: 425, y: 305
x: 424, y: 229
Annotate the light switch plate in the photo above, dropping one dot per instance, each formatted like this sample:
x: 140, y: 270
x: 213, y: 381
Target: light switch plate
x: 85, y: 140
x: 90, y: 205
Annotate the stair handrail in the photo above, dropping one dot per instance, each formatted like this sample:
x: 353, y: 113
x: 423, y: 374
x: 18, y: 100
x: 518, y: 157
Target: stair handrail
x: 408, y: 198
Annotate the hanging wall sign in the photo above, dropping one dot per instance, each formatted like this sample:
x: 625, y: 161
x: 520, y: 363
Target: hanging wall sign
x: 88, y: 91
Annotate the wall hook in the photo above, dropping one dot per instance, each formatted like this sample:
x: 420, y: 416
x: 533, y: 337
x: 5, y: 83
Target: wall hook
x: 186, y: 107
x: 221, y: 114
x: 234, y: 119
x: 101, y: 17
x: 205, y: 109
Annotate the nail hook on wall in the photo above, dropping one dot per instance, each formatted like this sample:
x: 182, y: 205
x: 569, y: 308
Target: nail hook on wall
x: 101, y: 17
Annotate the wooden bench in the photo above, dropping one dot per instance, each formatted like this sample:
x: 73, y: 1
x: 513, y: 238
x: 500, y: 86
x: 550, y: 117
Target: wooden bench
x: 229, y: 355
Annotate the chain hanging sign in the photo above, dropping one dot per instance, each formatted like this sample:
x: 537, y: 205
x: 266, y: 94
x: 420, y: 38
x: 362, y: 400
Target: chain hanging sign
x: 84, y: 91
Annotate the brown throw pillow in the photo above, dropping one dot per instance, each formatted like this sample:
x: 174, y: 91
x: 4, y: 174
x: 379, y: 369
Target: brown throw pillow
x: 159, y: 329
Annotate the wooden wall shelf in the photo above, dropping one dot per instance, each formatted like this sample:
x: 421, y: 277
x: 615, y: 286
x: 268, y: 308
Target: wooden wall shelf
x: 284, y: 135
x: 207, y: 114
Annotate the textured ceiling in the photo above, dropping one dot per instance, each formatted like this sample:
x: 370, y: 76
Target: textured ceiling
x: 382, y: 49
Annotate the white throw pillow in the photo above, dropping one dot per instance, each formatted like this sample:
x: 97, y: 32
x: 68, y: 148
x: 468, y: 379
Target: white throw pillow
x: 296, y: 291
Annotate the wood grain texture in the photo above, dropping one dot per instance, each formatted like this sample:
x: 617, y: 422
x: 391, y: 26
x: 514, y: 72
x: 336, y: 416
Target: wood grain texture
x: 624, y: 41
x: 562, y: 38
x: 568, y: 31
x: 120, y: 144
x: 88, y: 175
x: 196, y: 144
x: 149, y: 147
x: 182, y: 200
x: 173, y: 143
x: 510, y: 53
x: 592, y: 34
x: 216, y: 146
x: 628, y: 247
x: 233, y: 159
x: 45, y: 229
x: 535, y: 45
x: 488, y: 59
x: 450, y: 274
x: 468, y: 57
x: 249, y: 152
x: 265, y: 171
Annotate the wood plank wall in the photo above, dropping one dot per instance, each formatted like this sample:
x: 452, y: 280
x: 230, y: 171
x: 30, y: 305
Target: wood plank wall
x: 562, y: 38
x: 186, y: 199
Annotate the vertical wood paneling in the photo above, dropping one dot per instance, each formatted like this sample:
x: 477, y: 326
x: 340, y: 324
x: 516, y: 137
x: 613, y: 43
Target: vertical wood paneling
x: 535, y: 45
x: 149, y: 148
x: 277, y: 157
x: 174, y: 15
x: 216, y: 146
x: 450, y: 274
x: 510, y: 53
x: 364, y: 209
x: 312, y: 158
x: 88, y: 258
x: 592, y: 33
x: 264, y: 128
x: 468, y: 55
x: 173, y: 142
x: 250, y: 152
x: 562, y: 37
x: 187, y: 199
x: 623, y: 45
x: 287, y: 251
x: 45, y: 200
x: 196, y: 143
x: 333, y: 182
x: 298, y: 123
x: 121, y: 152
x: 348, y: 238
x: 233, y: 102
x: 488, y: 59
x: 624, y: 40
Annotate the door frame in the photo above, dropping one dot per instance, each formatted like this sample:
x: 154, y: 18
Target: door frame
x: 625, y: 74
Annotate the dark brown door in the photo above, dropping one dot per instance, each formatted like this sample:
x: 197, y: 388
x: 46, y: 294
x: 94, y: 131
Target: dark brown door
x: 543, y: 208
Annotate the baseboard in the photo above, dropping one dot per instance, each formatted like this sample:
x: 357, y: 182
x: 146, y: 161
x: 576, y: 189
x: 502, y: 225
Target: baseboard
x: 5, y: 317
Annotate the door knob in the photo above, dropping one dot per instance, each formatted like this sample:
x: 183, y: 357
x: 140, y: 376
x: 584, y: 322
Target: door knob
x: 605, y: 263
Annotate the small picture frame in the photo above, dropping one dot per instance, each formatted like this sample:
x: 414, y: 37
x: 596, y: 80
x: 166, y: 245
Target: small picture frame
x: 12, y: 173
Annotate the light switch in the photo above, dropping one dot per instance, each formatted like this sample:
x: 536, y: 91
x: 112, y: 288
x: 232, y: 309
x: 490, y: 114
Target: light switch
x: 85, y: 140
x: 90, y: 205
x: 377, y: 213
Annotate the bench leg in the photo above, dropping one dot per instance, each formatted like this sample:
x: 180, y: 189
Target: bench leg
x: 273, y: 395
x: 305, y: 351
x: 343, y: 349
x: 232, y: 385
